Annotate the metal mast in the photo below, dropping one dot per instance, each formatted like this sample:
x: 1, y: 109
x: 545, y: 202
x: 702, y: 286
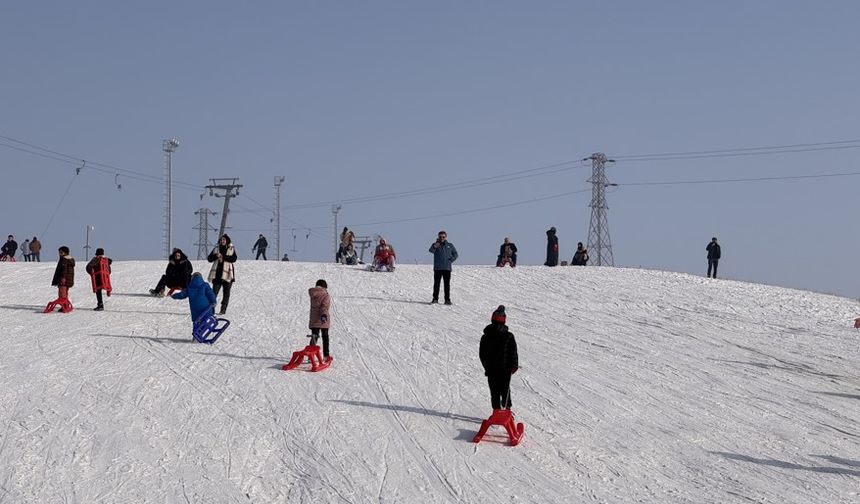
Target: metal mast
x: 599, y: 245
x: 169, y: 147
x: 334, y: 210
x: 279, y: 181
x: 230, y: 186
x: 203, y: 227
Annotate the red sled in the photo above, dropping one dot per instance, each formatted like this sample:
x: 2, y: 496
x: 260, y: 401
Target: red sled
x: 857, y: 323
x: 312, y: 352
x: 100, y: 276
x: 505, y: 418
x: 64, y: 304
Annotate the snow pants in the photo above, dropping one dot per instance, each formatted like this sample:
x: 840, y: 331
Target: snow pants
x: 217, y: 284
x: 439, y: 275
x: 261, y: 252
x: 500, y: 389
x: 316, y: 333
x: 712, y: 263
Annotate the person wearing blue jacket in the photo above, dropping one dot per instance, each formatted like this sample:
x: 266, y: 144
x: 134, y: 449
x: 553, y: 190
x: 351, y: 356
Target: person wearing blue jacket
x: 201, y: 297
x: 444, y: 255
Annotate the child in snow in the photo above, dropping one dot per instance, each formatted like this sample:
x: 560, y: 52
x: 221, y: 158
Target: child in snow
x: 498, y: 352
x: 320, y: 318
x: 384, y: 255
x: 201, y: 297
x: 64, y: 275
x: 99, y: 270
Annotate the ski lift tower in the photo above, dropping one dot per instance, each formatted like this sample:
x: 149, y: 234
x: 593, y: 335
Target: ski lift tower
x: 230, y: 188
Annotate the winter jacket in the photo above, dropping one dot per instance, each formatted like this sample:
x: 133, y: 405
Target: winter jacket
x: 498, y: 350
x: 713, y: 251
x: 25, y: 247
x: 580, y: 257
x: 99, y: 269
x: 512, y: 251
x: 320, y: 317
x: 261, y: 244
x: 64, y: 275
x: 35, y: 246
x: 223, y: 269
x: 444, y: 255
x: 346, y: 239
x: 551, y: 248
x: 383, y: 252
x: 201, y: 297
x: 9, y: 248
x: 179, y: 272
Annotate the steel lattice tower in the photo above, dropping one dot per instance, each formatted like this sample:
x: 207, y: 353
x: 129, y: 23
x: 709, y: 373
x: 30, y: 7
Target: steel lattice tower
x: 203, y: 227
x: 231, y: 187
x: 599, y: 245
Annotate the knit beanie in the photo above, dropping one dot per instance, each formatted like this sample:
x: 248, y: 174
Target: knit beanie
x: 499, y: 316
x: 100, y: 251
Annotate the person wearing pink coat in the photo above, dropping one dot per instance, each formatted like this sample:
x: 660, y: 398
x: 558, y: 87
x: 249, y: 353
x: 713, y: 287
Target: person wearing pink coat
x: 320, y: 317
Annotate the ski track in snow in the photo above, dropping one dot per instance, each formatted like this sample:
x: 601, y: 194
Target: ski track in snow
x: 635, y: 386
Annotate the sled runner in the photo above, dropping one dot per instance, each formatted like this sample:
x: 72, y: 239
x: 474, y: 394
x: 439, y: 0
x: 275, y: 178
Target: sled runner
x: 312, y: 352
x: 208, y: 328
x: 505, y: 418
x: 64, y: 304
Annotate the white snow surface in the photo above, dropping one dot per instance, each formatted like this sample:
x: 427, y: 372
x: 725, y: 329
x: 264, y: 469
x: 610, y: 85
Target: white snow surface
x: 634, y: 386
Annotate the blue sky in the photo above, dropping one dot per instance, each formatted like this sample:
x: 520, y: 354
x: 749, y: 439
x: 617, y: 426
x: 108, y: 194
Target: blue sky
x: 349, y: 99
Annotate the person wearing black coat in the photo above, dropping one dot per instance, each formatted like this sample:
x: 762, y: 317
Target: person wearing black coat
x: 176, y: 275
x: 507, y: 253
x: 260, y: 246
x: 498, y: 352
x: 580, y: 257
x: 9, y: 249
x: 714, y: 253
x: 551, y: 248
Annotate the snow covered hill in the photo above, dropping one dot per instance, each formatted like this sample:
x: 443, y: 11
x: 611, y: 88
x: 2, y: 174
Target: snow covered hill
x: 635, y: 386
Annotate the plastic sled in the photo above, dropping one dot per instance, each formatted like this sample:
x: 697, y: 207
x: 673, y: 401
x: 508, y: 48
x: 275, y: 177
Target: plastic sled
x: 857, y: 323
x: 505, y: 418
x: 64, y: 304
x: 208, y: 328
x: 502, y: 262
x: 172, y: 290
x: 312, y: 352
x: 7, y: 258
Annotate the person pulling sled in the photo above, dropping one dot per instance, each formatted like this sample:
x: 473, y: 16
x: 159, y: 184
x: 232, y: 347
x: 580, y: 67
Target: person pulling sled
x: 99, y: 271
x: 64, y: 279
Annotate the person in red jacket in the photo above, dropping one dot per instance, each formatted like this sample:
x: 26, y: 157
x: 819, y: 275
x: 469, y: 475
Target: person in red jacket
x: 99, y: 270
x: 320, y: 316
x: 384, y: 255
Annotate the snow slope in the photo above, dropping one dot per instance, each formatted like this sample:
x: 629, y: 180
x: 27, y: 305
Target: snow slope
x: 635, y: 386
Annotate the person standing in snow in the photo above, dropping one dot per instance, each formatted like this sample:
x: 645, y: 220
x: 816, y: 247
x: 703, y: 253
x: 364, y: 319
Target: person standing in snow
x: 99, y: 270
x: 201, y: 298
x: 320, y: 315
x: 35, y: 250
x: 551, y: 248
x: 25, y: 250
x: 498, y: 353
x: 507, y: 254
x: 223, y: 273
x: 444, y: 255
x: 176, y: 275
x: 260, y: 246
x: 580, y: 257
x: 64, y: 274
x: 714, y: 253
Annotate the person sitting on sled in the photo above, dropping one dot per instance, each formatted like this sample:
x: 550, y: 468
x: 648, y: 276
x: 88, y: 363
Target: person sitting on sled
x: 320, y: 317
x: 498, y: 353
x: 507, y: 254
x: 201, y: 298
x: 384, y: 256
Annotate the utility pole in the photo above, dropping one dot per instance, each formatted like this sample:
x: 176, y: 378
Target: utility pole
x: 169, y: 147
x: 279, y: 181
x: 230, y: 186
x: 599, y: 245
x: 87, y: 246
x: 203, y: 228
x: 334, y: 210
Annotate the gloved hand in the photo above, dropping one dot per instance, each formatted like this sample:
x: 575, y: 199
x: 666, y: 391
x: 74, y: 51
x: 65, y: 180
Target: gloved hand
x: 514, y: 369
x: 323, y: 318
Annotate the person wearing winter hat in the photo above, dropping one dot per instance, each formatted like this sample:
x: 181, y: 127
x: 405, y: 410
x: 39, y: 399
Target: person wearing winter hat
x: 551, y: 247
x: 99, y: 270
x: 320, y: 315
x: 498, y: 353
x: 223, y: 272
x: 201, y: 298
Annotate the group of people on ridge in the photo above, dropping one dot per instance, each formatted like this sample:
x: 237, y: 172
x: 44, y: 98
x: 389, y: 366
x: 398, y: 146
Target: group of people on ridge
x: 30, y: 250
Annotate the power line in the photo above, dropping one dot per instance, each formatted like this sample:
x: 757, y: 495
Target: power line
x: 743, y: 151
x: 737, y: 180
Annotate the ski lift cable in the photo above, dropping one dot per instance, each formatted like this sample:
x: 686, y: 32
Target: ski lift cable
x: 62, y: 199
